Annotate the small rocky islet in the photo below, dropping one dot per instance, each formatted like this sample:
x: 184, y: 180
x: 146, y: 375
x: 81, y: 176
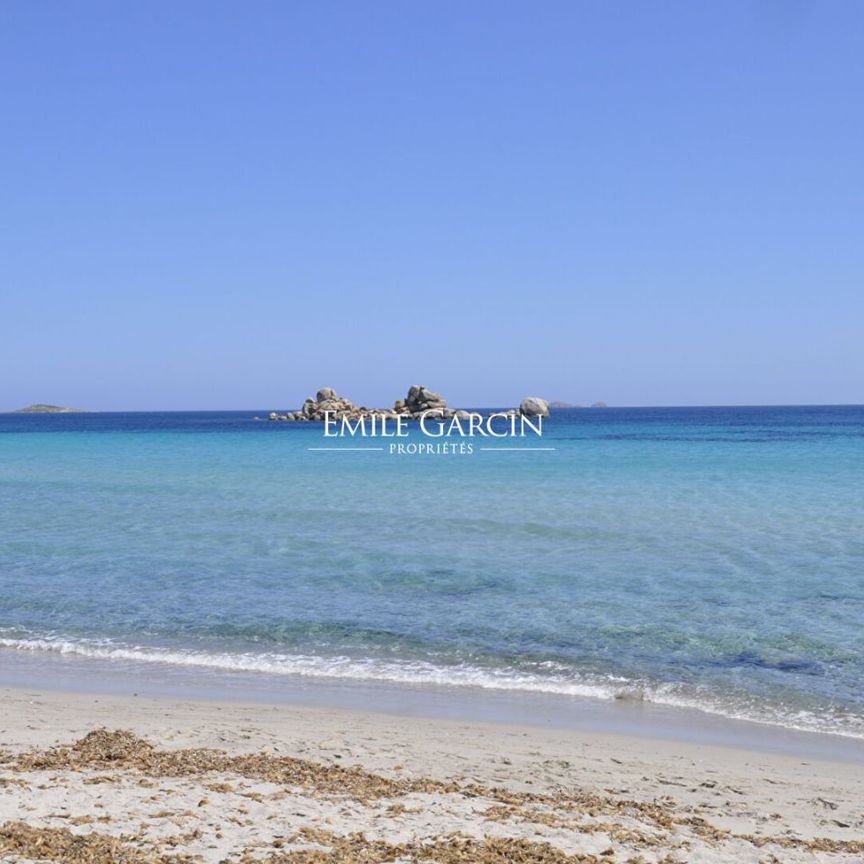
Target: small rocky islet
x: 419, y: 401
x: 42, y: 408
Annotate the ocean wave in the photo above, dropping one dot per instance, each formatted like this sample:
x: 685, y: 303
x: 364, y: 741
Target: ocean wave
x: 557, y: 680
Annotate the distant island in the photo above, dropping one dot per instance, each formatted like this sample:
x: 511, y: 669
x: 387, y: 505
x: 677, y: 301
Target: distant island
x: 39, y: 408
x: 564, y: 405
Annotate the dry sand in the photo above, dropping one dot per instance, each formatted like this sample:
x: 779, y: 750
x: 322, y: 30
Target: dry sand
x: 216, y: 782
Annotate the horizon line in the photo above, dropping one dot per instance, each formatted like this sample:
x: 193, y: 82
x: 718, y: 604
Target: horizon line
x: 573, y: 407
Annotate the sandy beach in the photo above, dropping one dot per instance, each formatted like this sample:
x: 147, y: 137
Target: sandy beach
x: 108, y: 778
x: 431, y: 433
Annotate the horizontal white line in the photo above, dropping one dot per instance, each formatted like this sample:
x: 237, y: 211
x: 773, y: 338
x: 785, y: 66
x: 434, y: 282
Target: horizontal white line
x: 343, y: 449
x: 499, y: 449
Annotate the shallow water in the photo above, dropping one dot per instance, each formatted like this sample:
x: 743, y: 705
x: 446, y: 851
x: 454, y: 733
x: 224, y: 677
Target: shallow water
x: 705, y: 558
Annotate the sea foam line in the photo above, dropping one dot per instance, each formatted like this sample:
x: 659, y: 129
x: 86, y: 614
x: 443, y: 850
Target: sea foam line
x: 463, y: 675
x: 313, y: 666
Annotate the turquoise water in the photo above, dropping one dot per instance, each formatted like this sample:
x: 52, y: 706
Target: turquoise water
x: 709, y: 558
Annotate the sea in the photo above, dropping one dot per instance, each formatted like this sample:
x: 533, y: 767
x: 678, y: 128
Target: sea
x: 707, y: 559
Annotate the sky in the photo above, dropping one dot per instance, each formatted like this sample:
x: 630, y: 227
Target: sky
x: 228, y: 205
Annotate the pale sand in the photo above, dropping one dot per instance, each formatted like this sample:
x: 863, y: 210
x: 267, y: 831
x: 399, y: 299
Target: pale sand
x: 594, y: 797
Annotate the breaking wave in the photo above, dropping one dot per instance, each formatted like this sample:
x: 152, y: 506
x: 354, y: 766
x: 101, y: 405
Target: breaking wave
x: 547, y: 678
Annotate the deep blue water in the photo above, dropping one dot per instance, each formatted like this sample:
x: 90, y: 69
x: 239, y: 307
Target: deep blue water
x: 709, y: 557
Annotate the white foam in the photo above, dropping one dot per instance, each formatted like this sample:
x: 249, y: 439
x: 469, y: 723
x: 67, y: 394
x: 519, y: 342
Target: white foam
x: 303, y: 665
x: 462, y: 675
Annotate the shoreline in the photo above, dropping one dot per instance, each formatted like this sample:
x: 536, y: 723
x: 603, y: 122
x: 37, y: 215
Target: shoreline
x: 598, y: 794
x: 633, y: 718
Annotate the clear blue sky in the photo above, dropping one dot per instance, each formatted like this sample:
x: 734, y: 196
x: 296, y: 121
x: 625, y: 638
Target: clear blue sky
x: 228, y: 205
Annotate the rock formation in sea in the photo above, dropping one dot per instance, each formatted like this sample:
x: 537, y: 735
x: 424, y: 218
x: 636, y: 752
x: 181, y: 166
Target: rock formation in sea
x: 326, y: 400
x: 534, y: 406
x: 417, y: 402
x: 420, y: 399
